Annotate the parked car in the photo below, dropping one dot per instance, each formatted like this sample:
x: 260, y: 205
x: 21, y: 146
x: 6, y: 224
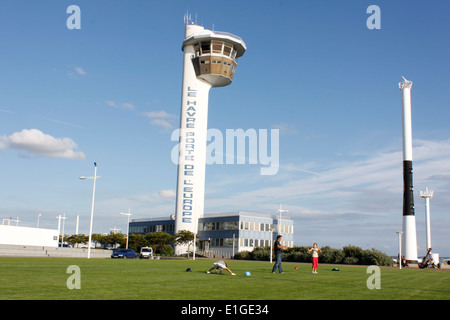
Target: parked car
x: 124, y: 254
x: 146, y: 253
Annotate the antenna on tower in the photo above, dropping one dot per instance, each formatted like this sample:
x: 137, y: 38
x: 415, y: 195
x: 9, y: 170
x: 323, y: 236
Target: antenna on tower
x: 405, y: 83
x: 187, y: 18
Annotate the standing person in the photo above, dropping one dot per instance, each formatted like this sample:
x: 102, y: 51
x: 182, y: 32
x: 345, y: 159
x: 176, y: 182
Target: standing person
x: 315, y: 257
x: 221, y: 265
x: 277, y: 249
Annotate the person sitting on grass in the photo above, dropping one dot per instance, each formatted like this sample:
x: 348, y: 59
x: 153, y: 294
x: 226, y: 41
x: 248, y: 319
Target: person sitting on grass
x: 220, y: 265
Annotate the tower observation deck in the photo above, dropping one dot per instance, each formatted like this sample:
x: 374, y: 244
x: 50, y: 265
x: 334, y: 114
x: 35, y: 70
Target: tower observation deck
x: 215, y: 54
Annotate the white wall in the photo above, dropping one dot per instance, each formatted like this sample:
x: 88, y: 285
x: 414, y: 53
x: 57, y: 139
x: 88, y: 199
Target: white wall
x: 28, y: 236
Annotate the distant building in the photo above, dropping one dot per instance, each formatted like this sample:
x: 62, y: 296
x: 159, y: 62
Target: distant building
x: 225, y: 234
x: 15, y: 235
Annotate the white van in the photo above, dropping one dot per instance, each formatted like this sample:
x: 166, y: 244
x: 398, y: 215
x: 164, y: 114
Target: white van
x: 146, y: 253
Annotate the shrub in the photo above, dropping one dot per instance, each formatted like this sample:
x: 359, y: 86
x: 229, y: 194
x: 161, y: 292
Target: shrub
x: 242, y: 255
x: 350, y: 260
x: 375, y: 257
x: 331, y: 255
x: 299, y: 257
x: 347, y: 255
x: 165, y: 250
x: 352, y: 251
x: 260, y: 253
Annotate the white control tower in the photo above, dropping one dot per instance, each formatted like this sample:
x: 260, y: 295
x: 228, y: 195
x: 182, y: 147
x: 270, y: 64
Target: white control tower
x: 209, y: 61
x: 409, y: 218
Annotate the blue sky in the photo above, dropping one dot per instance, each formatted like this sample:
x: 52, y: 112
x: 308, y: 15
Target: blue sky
x: 110, y: 92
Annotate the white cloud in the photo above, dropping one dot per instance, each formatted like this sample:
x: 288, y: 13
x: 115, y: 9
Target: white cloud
x: 127, y: 106
x: 158, y: 114
x: 285, y: 128
x: 354, y: 185
x: 80, y: 71
x: 36, y: 142
x: 161, y: 119
x: 166, y: 125
x: 169, y: 194
x: 110, y: 103
x: 120, y: 105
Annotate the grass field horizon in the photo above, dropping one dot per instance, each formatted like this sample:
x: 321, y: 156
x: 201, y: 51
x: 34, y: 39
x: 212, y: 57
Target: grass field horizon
x: 108, y: 279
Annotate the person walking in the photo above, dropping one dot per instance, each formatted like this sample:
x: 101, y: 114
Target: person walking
x: 277, y: 249
x: 315, y: 257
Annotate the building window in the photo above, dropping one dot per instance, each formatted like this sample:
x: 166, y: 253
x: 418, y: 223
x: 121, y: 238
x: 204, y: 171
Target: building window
x: 197, y: 50
x: 217, y: 47
x: 217, y: 242
x: 227, y: 50
x: 206, y: 47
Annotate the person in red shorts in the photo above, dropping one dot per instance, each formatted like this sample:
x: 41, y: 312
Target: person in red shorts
x: 315, y: 257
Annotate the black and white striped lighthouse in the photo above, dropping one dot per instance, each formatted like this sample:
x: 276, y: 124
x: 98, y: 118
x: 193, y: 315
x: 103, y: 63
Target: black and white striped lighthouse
x: 409, y: 218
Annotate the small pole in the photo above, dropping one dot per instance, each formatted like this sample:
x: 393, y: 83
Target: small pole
x: 399, y: 249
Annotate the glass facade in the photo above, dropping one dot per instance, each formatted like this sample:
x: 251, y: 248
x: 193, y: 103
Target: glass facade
x: 143, y: 226
x: 227, y: 233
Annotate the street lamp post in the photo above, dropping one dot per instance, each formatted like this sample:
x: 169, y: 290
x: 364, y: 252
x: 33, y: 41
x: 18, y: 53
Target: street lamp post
x: 128, y: 224
x: 195, y: 240
x: 62, y: 235
x: 60, y: 217
x: 399, y: 249
x: 279, y: 221
x: 59, y: 226
x: 92, y: 207
x: 427, y: 195
x: 271, y: 241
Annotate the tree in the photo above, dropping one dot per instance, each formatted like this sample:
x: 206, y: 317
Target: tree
x: 96, y: 238
x: 77, y: 239
x: 114, y: 239
x: 159, y: 239
x: 136, y: 242
x: 185, y: 237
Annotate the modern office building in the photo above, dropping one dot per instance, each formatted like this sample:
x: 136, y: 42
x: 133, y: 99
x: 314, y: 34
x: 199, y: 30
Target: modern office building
x: 225, y: 234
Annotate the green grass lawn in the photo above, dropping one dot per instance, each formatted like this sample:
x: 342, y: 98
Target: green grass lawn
x: 106, y: 279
